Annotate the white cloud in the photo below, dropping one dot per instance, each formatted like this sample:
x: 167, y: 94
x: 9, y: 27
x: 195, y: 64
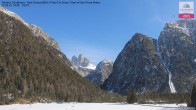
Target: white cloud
x: 158, y: 19
x: 161, y: 19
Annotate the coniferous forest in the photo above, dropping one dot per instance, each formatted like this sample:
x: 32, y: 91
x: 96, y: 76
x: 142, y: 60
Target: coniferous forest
x: 31, y: 70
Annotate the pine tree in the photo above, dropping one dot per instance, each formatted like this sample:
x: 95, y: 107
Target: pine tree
x: 193, y: 96
x: 131, y: 97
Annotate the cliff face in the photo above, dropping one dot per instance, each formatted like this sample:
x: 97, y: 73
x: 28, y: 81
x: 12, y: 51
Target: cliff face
x: 82, y: 65
x: 177, y: 45
x: 101, y: 73
x: 138, y: 67
x: 164, y: 65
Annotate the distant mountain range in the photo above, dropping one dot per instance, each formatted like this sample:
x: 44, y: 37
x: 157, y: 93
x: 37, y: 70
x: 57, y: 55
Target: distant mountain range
x: 96, y: 74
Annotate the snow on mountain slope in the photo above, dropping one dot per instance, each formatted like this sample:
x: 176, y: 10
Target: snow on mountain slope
x: 177, y: 46
x: 37, y: 31
x: 90, y: 66
x: 188, y: 27
x: 101, y: 73
x: 12, y: 14
x: 83, y: 62
x: 171, y: 85
x: 82, y: 65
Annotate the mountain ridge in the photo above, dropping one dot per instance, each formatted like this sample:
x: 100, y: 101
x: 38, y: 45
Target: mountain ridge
x: 37, y: 31
x: 172, y: 54
x: 101, y: 73
x: 82, y: 65
x: 130, y: 69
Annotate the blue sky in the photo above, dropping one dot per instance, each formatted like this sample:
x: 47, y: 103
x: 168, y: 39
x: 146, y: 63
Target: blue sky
x: 100, y: 31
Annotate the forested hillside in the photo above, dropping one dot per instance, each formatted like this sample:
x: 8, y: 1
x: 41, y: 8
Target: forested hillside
x: 31, y: 69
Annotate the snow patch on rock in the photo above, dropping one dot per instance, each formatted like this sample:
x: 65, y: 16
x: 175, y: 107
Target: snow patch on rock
x: 12, y: 14
x: 171, y: 85
x: 91, y: 66
x: 35, y: 29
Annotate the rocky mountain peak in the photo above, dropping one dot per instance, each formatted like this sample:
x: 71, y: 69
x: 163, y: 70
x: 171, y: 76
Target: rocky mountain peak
x: 12, y: 14
x: 138, y: 67
x: 140, y: 39
x: 74, y: 60
x: 37, y: 31
x: 81, y: 56
x: 101, y: 73
x: 187, y: 27
x: 185, y: 24
x: 82, y: 65
x: 82, y: 61
x: 103, y: 65
x: 138, y: 36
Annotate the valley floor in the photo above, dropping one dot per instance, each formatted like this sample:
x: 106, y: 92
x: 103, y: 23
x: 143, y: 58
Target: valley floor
x: 94, y: 106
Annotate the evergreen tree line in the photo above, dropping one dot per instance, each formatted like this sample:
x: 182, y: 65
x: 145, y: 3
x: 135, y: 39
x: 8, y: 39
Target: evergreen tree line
x: 188, y: 98
x: 193, y: 97
x: 32, y: 70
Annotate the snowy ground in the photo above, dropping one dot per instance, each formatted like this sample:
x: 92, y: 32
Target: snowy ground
x: 94, y: 106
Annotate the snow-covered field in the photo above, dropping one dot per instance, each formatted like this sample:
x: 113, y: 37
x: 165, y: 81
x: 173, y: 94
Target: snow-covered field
x: 94, y: 106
